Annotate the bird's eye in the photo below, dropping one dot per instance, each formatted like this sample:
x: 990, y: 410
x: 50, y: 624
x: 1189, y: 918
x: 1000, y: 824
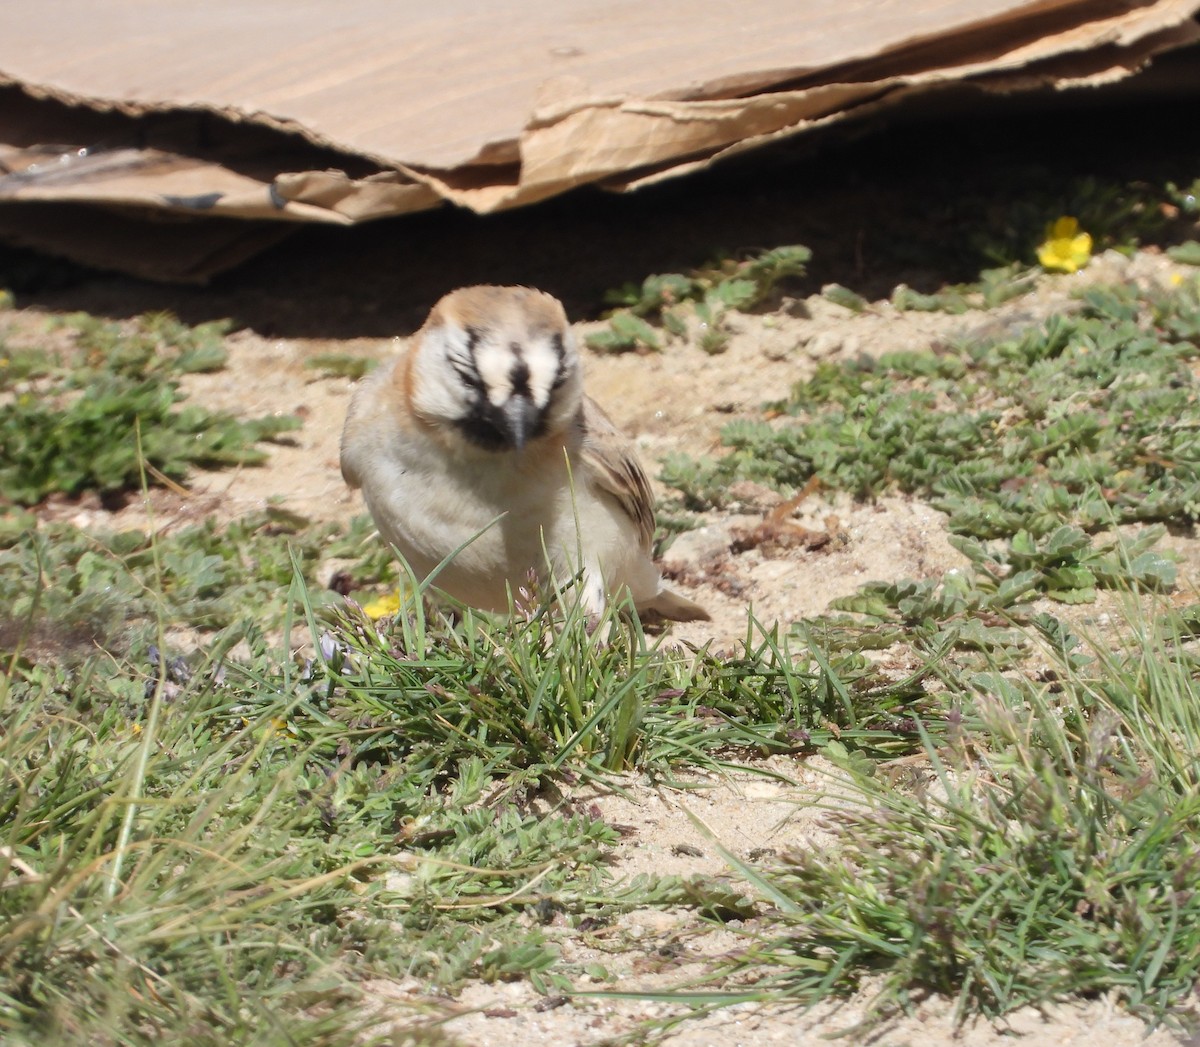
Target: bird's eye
x: 468, y: 377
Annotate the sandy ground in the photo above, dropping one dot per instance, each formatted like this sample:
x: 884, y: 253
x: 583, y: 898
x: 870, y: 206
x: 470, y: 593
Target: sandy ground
x: 890, y: 538
x: 677, y: 400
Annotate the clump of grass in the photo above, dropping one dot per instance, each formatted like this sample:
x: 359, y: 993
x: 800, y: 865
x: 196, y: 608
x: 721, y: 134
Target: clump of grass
x: 443, y: 691
x: 536, y: 695
x: 219, y: 844
x: 1083, y: 420
x: 116, y: 588
x: 148, y: 846
x: 181, y: 858
x: 1045, y: 856
x: 90, y: 422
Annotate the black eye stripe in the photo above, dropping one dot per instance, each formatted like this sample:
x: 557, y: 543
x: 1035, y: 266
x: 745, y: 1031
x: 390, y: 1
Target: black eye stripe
x: 520, y: 373
x: 466, y: 367
x: 560, y: 351
x: 468, y: 375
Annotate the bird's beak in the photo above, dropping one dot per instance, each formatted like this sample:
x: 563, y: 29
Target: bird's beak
x: 521, y: 417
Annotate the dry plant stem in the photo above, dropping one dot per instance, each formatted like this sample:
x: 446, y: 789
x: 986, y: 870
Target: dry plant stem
x: 33, y: 876
x: 783, y: 511
x: 150, y: 731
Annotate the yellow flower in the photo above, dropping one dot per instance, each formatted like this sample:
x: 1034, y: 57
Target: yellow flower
x: 1066, y: 249
x: 382, y: 606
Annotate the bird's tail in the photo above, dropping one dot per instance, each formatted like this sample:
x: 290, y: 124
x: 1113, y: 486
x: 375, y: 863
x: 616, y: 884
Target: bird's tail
x: 670, y: 605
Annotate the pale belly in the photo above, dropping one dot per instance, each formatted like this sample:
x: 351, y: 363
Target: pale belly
x: 498, y: 532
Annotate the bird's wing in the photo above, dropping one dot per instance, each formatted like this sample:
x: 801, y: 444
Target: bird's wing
x: 612, y: 463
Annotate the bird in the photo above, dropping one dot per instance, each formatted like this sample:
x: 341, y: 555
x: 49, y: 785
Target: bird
x: 479, y: 441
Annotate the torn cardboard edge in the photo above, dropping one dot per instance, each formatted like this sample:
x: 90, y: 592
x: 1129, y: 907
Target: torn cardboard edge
x: 129, y: 174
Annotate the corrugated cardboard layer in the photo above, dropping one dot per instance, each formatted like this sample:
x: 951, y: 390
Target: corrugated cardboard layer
x: 306, y: 112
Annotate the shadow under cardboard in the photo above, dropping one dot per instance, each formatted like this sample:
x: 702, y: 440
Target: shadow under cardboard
x: 878, y: 207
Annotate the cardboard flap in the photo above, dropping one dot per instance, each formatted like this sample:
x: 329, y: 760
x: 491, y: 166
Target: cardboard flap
x: 244, y: 109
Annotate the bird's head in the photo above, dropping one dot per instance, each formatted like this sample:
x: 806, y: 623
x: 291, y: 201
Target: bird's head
x: 497, y: 364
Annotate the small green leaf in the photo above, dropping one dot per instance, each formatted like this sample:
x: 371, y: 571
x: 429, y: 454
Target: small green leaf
x: 633, y: 328
x: 1186, y: 253
x: 843, y: 296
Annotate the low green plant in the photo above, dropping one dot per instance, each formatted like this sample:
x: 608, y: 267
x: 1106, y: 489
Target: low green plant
x: 949, y: 300
x: 845, y: 297
x: 155, y: 343
x: 1118, y: 214
x: 341, y: 365
x: 95, y: 419
x: 1186, y: 253
x: 218, y: 845
x: 1087, y: 420
x: 65, y: 590
x: 699, y: 299
x: 994, y: 287
x: 1044, y: 856
x: 983, y: 616
x: 529, y: 698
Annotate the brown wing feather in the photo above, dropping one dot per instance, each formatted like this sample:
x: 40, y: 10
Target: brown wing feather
x: 613, y: 463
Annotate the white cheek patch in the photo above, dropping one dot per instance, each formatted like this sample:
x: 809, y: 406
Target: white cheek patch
x: 438, y: 392
x: 495, y: 364
x: 543, y: 362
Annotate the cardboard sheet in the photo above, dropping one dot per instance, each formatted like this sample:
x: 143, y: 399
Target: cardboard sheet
x: 307, y: 111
